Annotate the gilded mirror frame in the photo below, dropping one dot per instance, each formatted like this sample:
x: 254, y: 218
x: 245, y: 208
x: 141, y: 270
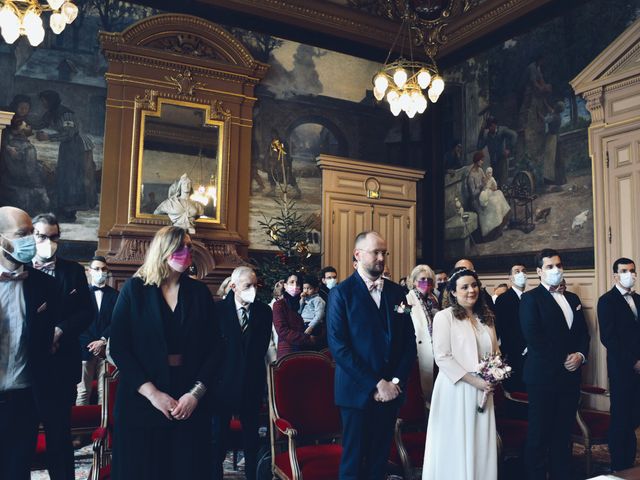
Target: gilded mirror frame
x: 215, y: 115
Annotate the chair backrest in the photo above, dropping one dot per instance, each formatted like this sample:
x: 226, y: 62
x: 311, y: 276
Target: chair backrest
x: 301, y: 392
x: 110, y: 388
x: 413, y: 409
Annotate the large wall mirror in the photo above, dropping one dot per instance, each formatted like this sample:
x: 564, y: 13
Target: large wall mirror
x: 180, y: 160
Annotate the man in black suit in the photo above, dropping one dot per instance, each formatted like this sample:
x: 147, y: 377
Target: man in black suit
x: 620, y: 334
x: 557, y: 340
x: 374, y: 347
x: 245, y: 324
x: 508, y: 328
x: 75, y: 317
x: 28, y: 313
x: 93, y: 341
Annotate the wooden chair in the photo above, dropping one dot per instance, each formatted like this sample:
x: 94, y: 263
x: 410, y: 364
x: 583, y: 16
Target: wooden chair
x: 103, y: 435
x: 304, y: 421
x: 410, y: 433
x: 592, y: 426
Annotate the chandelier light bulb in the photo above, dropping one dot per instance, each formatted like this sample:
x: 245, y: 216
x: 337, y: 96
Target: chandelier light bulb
x: 411, y: 112
x: 10, y: 24
x: 32, y: 26
x: 36, y: 36
x: 379, y: 94
x: 381, y: 82
x: 57, y: 22
x: 437, y: 84
x: 70, y: 11
x: 424, y: 79
x: 421, y: 103
x: 433, y: 95
x: 405, y: 101
x: 392, y: 96
x: 55, y: 4
x: 400, y: 77
x: 395, y: 107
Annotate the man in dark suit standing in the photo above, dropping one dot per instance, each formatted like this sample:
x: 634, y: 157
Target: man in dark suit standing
x: 93, y: 341
x: 246, y: 330
x: 620, y: 334
x: 28, y: 313
x: 75, y: 317
x: 374, y: 348
x: 557, y: 339
x: 512, y: 342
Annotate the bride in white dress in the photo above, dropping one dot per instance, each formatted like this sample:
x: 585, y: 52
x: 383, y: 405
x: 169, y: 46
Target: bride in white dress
x: 461, y: 442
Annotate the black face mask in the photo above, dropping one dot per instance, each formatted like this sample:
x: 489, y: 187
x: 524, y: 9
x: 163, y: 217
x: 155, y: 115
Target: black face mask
x: 441, y: 285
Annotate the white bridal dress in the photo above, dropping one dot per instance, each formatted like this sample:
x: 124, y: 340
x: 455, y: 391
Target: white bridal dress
x: 461, y: 442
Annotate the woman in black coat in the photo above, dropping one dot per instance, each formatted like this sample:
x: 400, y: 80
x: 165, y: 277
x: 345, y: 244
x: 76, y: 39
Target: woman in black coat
x: 167, y: 346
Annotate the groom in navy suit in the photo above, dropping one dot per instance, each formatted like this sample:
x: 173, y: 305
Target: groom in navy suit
x: 374, y: 348
x: 555, y: 330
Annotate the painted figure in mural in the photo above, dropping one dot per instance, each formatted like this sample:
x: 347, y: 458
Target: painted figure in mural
x: 453, y: 158
x: 554, y: 170
x: 75, y: 179
x: 486, y: 200
x: 280, y: 168
x: 182, y: 211
x: 533, y: 109
x: 500, y: 141
x: 22, y: 176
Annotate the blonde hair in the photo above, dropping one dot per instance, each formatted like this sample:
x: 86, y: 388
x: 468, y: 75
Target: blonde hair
x: 155, y: 269
x: 417, y: 270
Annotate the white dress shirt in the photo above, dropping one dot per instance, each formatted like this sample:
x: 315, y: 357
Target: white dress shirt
x: 239, y: 308
x: 563, y: 303
x: 98, y: 294
x: 13, y: 334
x: 629, y: 299
x: 518, y: 291
x: 375, y: 293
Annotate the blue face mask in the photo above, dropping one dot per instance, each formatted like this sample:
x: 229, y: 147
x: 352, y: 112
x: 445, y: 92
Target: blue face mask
x: 24, y: 249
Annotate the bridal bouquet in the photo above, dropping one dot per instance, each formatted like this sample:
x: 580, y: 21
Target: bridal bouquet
x: 493, y: 369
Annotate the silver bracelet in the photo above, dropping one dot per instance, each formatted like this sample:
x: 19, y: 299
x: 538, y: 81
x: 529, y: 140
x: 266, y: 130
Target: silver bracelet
x: 198, y: 390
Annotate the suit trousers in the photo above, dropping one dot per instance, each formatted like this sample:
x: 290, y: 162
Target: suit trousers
x: 93, y: 368
x: 56, y: 418
x: 552, y: 414
x: 625, y: 418
x: 18, y: 434
x: 366, y: 440
x: 249, y: 418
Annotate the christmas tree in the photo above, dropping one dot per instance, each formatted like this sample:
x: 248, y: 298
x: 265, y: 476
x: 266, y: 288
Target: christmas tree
x: 288, y: 232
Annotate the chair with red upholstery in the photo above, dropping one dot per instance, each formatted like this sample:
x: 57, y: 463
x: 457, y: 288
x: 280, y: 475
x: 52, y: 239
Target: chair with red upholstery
x: 591, y: 426
x: 102, y: 436
x: 304, y: 421
x: 410, y: 433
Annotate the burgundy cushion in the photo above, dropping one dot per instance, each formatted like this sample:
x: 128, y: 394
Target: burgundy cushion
x: 512, y: 432
x: 413, y: 409
x: 235, y: 425
x: 414, y: 443
x: 105, y: 473
x: 317, y: 462
x: 41, y: 445
x: 597, y: 421
x: 303, y: 387
x: 85, y: 416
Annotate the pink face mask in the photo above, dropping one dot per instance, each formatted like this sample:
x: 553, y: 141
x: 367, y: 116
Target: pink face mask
x: 292, y: 290
x: 180, y: 260
x: 425, y: 286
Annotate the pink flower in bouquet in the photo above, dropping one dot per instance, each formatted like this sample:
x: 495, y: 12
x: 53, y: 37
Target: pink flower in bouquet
x: 493, y: 369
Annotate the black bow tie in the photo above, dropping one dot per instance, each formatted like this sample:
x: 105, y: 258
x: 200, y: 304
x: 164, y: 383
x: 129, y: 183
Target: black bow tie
x: 94, y: 288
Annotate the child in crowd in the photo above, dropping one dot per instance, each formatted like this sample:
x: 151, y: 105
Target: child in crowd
x: 311, y: 305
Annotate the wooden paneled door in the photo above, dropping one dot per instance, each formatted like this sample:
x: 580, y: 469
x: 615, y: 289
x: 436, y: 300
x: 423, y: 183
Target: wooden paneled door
x: 623, y: 196
x: 348, y: 218
x: 397, y: 225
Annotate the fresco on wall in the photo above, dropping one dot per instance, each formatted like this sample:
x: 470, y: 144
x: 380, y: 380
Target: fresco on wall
x: 518, y: 171
x: 51, y: 155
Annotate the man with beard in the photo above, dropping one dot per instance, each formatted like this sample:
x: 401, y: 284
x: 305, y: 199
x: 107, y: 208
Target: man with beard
x: 373, y: 343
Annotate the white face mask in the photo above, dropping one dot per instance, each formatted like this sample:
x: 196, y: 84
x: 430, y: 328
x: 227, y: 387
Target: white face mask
x: 627, y: 279
x: 47, y: 249
x: 553, y: 277
x: 331, y: 282
x: 520, y: 279
x: 98, y: 277
x: 248, y: 295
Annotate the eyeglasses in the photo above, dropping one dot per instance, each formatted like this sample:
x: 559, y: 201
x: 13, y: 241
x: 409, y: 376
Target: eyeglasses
x: 375, y: 253
x: 42, y: 237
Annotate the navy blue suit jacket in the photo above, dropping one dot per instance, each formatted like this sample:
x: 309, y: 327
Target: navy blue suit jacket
x: 549, y: 339
x: 367, y: 343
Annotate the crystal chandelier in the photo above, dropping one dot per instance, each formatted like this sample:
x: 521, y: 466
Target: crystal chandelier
x: 23, y: 17
x: 404, y: 82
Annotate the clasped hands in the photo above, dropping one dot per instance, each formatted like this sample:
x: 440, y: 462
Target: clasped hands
x: 573, y: 361
x: 170, y: 407
x: 386, y: 391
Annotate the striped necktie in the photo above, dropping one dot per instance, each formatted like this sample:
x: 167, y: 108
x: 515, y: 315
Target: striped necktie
x: 244, y: 319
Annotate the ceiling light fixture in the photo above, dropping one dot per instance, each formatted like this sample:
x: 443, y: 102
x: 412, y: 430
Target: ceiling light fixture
x: 23, y: 17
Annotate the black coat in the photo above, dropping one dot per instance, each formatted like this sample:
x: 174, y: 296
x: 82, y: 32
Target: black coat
x: 549, y: 339
x: 244, y: 372
x: 139, y: 348
x: 101, y: 325
x: 75, y: 318
x: 512, y: 343
x: 620, y: 334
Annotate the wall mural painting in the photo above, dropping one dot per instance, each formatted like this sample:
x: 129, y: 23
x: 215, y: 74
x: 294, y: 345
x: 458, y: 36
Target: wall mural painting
x: 517, y: 167
x: 51, y: 155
